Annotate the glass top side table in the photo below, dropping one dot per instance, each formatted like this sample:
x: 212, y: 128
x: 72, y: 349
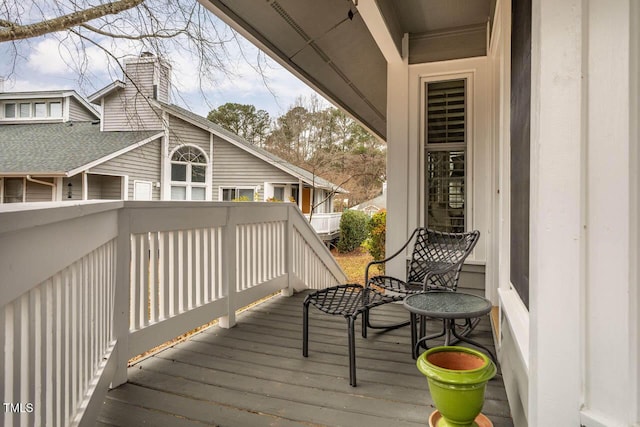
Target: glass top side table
x: 448, y: 306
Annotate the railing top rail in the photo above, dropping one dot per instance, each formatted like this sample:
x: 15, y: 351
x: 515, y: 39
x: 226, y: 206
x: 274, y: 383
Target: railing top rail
x: 324, y: 215
x: 18, y: 216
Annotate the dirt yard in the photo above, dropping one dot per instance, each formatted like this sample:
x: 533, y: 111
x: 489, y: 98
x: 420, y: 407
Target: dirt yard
x: 353, y: 264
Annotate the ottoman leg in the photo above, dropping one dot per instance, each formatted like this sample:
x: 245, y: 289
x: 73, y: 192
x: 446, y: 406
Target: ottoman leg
x: 305, y: 327
x: 351, y: 321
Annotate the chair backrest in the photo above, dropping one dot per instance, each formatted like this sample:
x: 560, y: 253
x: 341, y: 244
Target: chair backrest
x: 439, y: 256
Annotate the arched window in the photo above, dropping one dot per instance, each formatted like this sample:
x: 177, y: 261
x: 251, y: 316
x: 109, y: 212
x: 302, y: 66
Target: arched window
x: 188, y: 174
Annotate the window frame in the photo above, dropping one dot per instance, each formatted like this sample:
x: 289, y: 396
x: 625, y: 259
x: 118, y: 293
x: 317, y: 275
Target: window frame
x: 49, y: 114
x: 279, y: 188
x: 3, y: 192
x: 188, y: 184
x: 467, y: 146
x: 236, y: 190
x: 17, y: 112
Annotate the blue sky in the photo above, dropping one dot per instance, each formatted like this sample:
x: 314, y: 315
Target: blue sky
x: 43, y: 65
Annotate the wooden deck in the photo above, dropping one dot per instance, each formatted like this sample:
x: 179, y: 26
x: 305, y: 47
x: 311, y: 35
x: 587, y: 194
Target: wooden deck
x: 254, y: 375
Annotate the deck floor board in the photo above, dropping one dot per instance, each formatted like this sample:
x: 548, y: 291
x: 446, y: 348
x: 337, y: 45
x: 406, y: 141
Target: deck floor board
x: 254, y: 375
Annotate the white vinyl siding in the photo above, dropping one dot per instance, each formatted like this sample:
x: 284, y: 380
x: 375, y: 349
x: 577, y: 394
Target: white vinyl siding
x: 75, y: 190
x: 39, y: 192
x: 77, y: 112
x: 104, y: 187
x: 113, y: 114
x: 127, y: 109
x: 236, y: 168
x: 183, y: 133
x: 139, y: 164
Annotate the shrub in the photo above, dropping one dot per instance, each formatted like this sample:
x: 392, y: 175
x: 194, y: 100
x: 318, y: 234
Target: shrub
x: 376, y: 241
x: 353, y: 230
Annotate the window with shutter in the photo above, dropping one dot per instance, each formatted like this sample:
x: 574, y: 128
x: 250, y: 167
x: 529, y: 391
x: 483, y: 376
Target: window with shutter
x: 445, y: 154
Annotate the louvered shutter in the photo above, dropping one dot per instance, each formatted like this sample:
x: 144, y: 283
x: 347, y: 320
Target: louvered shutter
x: 445, y: 137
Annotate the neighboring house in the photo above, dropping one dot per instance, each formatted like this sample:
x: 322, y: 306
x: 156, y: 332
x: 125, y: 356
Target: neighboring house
x: 518, y: 118
x: 51, y: 148
x: 54, y: 146
x: 374, y: 205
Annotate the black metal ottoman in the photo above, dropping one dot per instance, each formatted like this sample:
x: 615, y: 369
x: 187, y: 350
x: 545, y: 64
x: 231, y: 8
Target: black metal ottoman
x: 346, y: 300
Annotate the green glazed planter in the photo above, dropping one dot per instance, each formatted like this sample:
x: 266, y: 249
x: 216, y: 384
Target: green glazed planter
x: 457, y: 379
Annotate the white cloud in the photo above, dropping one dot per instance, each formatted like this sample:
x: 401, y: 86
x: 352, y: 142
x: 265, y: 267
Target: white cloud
x: 271, y: 87
x: 53, y: 64
x: 53, y: 57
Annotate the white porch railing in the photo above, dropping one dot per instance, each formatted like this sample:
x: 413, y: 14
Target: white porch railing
x: 86, y: 287
x: 325, y: 223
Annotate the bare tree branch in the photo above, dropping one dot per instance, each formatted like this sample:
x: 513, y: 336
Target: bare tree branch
x: 15, y: 31
x: 160, y: 35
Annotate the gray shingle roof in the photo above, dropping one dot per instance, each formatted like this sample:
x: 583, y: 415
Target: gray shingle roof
x: 294, y: 170
x: 58, y: 148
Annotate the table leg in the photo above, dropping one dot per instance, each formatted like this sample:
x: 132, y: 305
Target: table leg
x: 414, y: 335
x: 467, y: 340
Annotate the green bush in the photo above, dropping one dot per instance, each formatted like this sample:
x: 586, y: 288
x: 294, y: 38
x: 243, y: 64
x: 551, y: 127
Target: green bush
x: 377, y: 229
x: 353, y: 230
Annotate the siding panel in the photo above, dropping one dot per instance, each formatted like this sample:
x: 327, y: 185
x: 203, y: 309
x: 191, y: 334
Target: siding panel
x: 142, y: 163
x: 39, y: 192
x: 234, y: 167
x: 129, y: 109
x: 76, y: 188
x: 78, y: 113
x: 181, y: 133
x: 104, y: 187
x: 113, y: 114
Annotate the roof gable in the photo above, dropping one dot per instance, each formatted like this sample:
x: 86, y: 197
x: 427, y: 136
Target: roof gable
x: 236, y: 140
x: 96, y: 97
x: 51, y: 94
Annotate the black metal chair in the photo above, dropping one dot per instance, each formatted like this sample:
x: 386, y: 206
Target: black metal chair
x: 436, y: 262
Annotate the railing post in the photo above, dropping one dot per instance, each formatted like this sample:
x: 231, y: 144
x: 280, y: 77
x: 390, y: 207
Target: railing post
x: 229, y: 270
x: 122, y: 310
x: 288, y: 291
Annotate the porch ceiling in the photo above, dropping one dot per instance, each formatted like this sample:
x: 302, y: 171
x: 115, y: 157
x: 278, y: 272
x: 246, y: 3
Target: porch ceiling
x: 339, y: 56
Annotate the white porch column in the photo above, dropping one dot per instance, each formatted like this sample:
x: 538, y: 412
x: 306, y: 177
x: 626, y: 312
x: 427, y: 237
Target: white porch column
x: 85, y: 186
x: 610, y: 314
x: 584, y: 214
x: 398, y: 159
x: 165, y: 163
x: 556, y: 216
